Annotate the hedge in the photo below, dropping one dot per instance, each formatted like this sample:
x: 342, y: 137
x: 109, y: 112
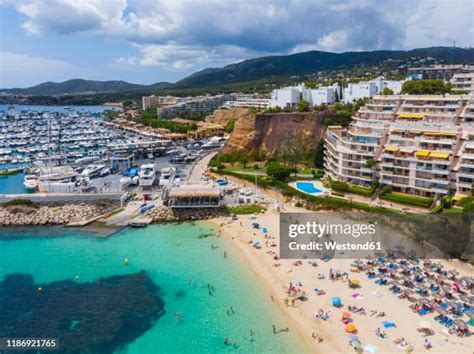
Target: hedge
x: 245, y: 209
x: 329, y: 202
x: 345, y: 187
x: 407, y: 199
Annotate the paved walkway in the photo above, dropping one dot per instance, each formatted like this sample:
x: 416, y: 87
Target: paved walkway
x: 195, y: 175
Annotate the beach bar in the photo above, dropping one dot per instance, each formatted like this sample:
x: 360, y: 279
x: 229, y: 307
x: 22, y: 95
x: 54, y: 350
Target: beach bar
x: 193, y: 196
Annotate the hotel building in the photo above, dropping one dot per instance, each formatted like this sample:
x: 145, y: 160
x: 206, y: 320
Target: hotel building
x: 422, y: 145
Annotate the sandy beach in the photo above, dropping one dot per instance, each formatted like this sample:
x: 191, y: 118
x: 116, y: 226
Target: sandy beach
x: 276, y: 276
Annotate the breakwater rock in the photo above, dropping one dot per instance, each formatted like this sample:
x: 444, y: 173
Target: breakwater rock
x: 166, y: 214
x: 22, y: 215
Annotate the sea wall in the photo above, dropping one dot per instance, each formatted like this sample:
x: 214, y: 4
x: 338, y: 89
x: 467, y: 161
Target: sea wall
x: 62, y: 198
x: 53, y: 215
x: 267, y: 131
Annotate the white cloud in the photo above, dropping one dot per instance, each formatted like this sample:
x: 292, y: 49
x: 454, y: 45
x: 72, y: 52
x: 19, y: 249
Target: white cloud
x: 17, y: 70
x: 179, y: 35
x: 128, y: 60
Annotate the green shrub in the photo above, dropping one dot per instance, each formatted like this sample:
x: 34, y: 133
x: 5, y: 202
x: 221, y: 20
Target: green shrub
x: 279, y: 171
x: 21, y: 202
x: 407, y: 199
x: 246, y: 209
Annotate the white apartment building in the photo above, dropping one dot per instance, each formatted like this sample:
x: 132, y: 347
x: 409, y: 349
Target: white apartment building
x: 290, y: 96
x: 149, y: 101
x: 248, y: 101
x: 368, y: 89
x: 422, y: 145
x: 463, y: 81
x: 200, y: 104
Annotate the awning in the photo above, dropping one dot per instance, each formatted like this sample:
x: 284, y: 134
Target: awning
x: 411, y: 116
x: 423, y: 153
x: 458, y: 197
x: 440, y: 155
x: 391, y: 148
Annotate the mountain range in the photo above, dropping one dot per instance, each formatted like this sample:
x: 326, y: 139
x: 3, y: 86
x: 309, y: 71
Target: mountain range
x: 255, y: 69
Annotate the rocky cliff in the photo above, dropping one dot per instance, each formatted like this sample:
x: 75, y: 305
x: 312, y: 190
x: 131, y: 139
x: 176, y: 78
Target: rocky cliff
x: 267, y: 131
x: 222, y: 116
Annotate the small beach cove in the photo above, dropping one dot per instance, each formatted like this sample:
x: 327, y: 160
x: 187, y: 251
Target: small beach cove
x: 207, y: 297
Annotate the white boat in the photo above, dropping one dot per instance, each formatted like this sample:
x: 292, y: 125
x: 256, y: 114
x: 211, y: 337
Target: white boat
x: 167, y: 176
x: 30, y: 183
x: 146, y: 175
x: 125, y: 181
x: 57, y: 179
x: 92, y: 170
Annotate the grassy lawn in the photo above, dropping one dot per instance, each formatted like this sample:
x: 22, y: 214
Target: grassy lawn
x: 246, y: 209
x: 452, y: 210
x: 407, y: 199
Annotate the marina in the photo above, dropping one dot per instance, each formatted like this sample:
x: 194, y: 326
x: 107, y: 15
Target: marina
x: 67, y: 150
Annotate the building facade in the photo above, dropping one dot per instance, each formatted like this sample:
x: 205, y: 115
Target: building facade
x: 368, y: 89
x: 200, y: 104
x: 443, y: 72
x: 463, y: 82
x: 421, y: 145
x: 290, y: 96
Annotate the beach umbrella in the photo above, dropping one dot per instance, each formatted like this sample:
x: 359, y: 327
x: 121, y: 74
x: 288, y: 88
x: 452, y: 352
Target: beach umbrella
x: 441, y: 311
x: 471, y: 322
x: 346, y: 314
x: 370, y: 348
x: 336, y: 301
x: 352, y: 337
x: 350, y: 328
x: 460, y: 324
x: 425, y: 324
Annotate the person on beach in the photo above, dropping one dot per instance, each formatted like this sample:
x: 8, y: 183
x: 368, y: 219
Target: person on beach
x: 274, y: 329
x: 225, y: 254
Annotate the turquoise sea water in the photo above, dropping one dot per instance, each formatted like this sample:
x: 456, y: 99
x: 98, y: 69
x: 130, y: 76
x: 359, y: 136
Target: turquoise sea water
x: 177, y: 260
x: 12, y: 184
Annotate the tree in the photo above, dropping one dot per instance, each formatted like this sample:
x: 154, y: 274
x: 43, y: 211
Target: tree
x: 426, y: 87
x: 291, y: 152
x: 303, y: 106
x: 372, y: 164
x: 279, y: 171
x: 319, y: 154
x: 244, y: 160
x: 387, y: 91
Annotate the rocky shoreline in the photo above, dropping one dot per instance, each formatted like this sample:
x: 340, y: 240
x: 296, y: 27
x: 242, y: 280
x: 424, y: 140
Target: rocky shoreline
x: 21, y: 215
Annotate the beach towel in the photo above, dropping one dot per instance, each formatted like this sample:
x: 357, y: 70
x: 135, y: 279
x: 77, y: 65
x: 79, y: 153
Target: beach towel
x: 388, y: 324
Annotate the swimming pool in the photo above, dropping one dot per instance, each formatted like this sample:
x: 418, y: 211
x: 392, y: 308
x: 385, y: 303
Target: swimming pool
x: 308, y: 187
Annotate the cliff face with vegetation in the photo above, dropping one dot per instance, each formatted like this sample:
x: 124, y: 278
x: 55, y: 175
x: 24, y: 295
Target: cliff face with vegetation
x: 222, y: 116
x: 266, y: 132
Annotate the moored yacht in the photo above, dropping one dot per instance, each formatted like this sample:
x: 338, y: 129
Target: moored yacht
x: 30, y: 182
x: 167, y: 176
x: 92, y: 170
x: 146, y: 175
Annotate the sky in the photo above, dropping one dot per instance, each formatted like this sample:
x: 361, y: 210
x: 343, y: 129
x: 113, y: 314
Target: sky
x: 149, y: 41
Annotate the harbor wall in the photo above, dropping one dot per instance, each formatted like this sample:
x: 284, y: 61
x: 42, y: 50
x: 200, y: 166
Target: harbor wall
x: 62, y: 198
